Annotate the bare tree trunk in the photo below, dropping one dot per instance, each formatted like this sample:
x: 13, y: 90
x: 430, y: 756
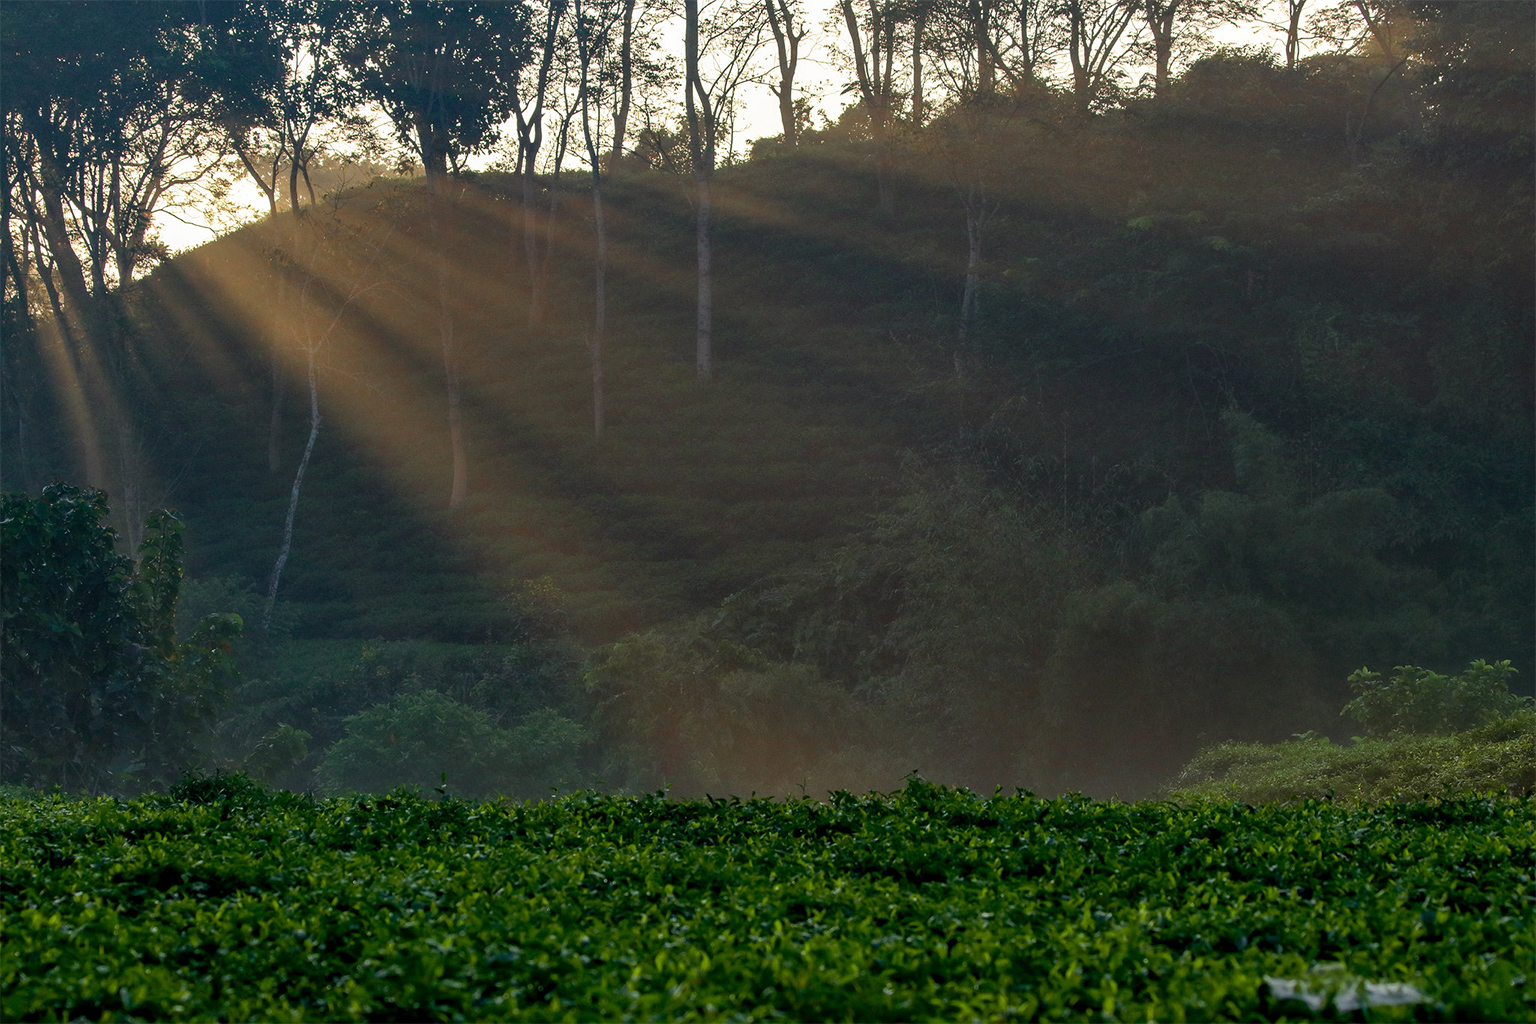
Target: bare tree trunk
x: 704, y: 341
x: 460, y: 487
x: 1293, y: 32
x: 531, y: 245
x: 293, y: 497
x: 1160, y: 16
x: 781, y: 19
x: 626, y: 82
x: 600, y: 313
x: 275, y: 428
x: 975, y: 214
x: 600, y: 256
x: 918, y: 110
x: 874, y: 84
x: 701, y: 142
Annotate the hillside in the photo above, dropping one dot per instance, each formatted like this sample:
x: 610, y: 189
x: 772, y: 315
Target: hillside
x: 1238, y: 412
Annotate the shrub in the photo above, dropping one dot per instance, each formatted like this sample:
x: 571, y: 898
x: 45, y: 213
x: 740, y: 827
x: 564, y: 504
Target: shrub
x: 1497, y: 757
x: 198, y: 787
x: 99, y: 692
x: 418, y: 739
x: 1416, y: 701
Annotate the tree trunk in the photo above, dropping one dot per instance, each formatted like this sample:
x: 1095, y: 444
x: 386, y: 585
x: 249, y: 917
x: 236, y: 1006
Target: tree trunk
x: 986, y: 81
x: 1293, y: 33
x: 460, y: 488
x: 882, y: 161
x: 787, y: 42
x: 600, y: 229
x: 975, y: 213
x: 704, y: 340
x: 531, y: 241
x: 917, y: 72
x: 626, y: 82
x: 701, y: 145
x: 69, y: 382
x: 600, y: 312
x: 293, y: 497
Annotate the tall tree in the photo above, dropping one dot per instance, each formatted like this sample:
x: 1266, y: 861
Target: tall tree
x: 1167, y: 20
x: 445, y: 75
x: 872, y: 38
x: 626, y: 79
x: 731, y: 33
x: 781, y: 19
x: 597, y: 80
x: 107, y: 115
x: 528, y: 109
x: 1292, y: 28
x: 1033, y: 38
x: 1096, y: 30
x: 326, y: 248
x: 277, y: 134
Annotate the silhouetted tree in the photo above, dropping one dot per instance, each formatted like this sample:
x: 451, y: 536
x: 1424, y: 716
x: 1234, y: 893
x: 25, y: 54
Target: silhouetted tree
x: 445, y: 74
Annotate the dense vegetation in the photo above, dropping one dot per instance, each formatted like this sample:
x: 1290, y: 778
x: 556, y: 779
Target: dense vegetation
x: 224, y: 900
x: 1234, y: 398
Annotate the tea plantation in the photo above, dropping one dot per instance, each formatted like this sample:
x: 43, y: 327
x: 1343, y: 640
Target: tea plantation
x: 225, y: 901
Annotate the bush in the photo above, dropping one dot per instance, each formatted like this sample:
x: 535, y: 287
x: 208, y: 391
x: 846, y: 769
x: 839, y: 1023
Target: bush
x: 418, y: 739
x: 1499, y: 757
x: 99, y: 692
x: 198, y: 787
x: 1416, y: 701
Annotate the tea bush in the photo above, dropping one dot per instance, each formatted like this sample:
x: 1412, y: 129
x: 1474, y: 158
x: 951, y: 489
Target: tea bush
x: 242, y: 904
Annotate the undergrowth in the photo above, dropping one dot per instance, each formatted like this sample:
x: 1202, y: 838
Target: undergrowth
x: 1497, y: 757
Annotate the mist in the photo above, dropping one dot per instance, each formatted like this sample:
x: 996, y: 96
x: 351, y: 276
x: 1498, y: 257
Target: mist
x: 1013, y: 430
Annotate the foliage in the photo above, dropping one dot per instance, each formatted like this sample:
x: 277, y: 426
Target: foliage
x: 1416, y: 701
x: 1142, y: 680
x: 444, y: 73
x: 99, y: 691
x: 277, y: 753
x: 296, y: 698
x: 1248, y: 407
x: 198, y: 787
x: 421, y: 738
x: 691, y: 709
x: 940, y: 614
x: 1497, y: 757
x: 927, y: 904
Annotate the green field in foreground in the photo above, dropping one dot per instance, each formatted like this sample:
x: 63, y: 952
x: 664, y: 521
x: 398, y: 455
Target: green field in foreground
x: 930, y: 903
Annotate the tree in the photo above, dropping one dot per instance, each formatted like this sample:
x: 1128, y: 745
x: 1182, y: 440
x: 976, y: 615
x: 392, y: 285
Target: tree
x: 329, y: 246
x: 594, y: 37
x: 626, y: 80
x: 99, y: 692
x: 730, y: 32
x: 279, y: 133
x: 873, y: 39
x: 1165, y: 18
x: 107, y: 115
x: 1033, y: 39
x: 1293, y: 10
x: 781, y: 19
x: 1095, y: 30
x: 529, y: 113
x: 445, y: 74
